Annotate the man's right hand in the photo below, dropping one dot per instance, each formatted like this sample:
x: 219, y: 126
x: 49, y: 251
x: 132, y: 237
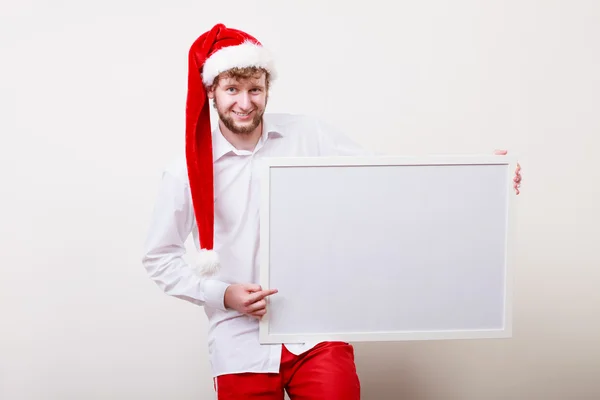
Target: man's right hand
x: 248, y: 298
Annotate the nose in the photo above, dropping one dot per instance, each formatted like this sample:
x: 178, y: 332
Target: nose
x: 244, y: 101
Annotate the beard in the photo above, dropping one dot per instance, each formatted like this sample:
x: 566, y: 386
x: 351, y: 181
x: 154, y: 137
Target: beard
x: 240, y: 129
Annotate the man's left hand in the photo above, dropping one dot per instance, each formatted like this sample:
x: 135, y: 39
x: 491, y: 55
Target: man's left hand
x: 517, y: 178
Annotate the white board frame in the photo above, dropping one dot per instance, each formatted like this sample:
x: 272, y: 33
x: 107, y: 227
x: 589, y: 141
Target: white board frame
x: 510, y: 162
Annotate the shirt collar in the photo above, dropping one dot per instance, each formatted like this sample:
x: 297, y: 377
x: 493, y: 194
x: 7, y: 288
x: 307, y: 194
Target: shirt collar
x: 222, y: 147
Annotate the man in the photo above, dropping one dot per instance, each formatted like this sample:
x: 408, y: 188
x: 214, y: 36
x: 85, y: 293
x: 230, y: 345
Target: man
x: 214, y: 195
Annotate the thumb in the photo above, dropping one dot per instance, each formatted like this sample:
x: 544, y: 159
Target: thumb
x: 252, y: 287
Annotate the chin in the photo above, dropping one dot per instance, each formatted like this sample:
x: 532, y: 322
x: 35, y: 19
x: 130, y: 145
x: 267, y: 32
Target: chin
x: 244, y: 128
x: 240, y: 127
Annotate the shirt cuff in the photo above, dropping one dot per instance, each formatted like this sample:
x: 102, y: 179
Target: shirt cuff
x: 214, y: 293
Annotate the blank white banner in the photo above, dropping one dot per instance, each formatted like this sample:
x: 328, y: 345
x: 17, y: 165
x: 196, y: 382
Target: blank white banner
x: 367, y: 249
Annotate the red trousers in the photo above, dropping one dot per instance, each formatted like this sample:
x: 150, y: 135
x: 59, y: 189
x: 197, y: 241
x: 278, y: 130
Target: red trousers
x: 325, y: 372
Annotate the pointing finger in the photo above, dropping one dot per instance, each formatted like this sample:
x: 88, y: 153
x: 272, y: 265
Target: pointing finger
x: 256, y: 296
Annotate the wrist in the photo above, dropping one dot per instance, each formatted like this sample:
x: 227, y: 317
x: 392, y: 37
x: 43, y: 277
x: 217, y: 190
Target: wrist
x: 226, y: 293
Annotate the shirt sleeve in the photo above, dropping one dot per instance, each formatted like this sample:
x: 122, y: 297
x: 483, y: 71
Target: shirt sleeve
x: 171, y: 224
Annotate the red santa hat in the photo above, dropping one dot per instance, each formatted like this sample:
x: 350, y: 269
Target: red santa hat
x: 213, y: 53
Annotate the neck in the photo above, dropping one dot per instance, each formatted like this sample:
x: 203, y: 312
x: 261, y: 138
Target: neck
x: 242, y: 141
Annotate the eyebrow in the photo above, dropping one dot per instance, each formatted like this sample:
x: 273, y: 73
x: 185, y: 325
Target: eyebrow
x: 233, y: 82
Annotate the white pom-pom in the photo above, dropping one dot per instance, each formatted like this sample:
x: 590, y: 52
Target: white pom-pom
x: 207, y: 262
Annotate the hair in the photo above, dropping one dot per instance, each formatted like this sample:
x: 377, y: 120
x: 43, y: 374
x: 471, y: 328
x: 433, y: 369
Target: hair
x: 243, y: 74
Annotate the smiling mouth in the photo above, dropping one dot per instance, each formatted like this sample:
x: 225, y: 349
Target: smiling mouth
x: 242, y: 114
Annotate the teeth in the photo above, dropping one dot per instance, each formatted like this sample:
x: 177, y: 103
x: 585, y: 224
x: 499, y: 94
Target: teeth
x: 241, y: 114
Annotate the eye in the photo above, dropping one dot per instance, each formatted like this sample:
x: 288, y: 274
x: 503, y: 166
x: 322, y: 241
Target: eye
x: 230, y: 90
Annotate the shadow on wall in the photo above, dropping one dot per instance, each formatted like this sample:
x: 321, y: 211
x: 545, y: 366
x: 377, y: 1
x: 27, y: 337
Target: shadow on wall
x: 387, y: 372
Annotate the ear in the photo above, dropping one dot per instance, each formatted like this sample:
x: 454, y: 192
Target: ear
x: 210, y: 92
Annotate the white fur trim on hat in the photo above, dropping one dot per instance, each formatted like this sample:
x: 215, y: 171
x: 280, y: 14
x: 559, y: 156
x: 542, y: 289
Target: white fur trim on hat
x: 247, y: 54
x: 207, y: 262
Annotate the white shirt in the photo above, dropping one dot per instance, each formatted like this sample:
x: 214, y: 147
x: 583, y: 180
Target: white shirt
x: 233, y: 341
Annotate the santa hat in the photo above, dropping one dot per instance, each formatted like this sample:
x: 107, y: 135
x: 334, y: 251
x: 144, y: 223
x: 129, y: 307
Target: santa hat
x: 214, y: 52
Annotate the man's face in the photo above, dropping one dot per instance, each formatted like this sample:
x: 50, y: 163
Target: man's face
x: 240, y: 103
